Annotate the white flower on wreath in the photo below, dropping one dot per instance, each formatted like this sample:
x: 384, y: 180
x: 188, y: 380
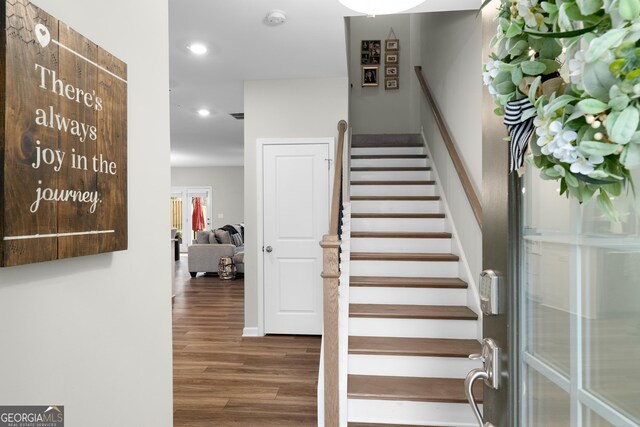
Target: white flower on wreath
x: 557, y: 141
x: 576, y: 68
x: 492, y: 68
x: 532, y: 17
x: 585, y: 165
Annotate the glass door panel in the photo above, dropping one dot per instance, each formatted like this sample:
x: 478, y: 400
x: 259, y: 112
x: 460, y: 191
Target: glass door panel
x: 579, y: 312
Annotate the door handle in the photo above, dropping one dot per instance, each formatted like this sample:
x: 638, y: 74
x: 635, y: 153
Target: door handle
x: 490, y: 373
x: 471, y: 378
x: 268, y: 249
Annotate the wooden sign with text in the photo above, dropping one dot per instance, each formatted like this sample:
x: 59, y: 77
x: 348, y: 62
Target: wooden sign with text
x: 63, y: 146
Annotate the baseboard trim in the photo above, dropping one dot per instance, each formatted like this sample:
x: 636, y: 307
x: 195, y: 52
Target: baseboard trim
x: 250, y: 332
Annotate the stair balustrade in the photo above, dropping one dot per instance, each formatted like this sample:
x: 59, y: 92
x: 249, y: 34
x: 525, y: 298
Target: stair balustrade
x: 331, y: 277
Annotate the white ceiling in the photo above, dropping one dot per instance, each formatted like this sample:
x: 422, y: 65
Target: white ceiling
x: 241, y: 47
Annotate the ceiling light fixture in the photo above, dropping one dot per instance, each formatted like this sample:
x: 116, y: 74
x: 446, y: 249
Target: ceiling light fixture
x: 204, y: 112
x: 197, y: 48
x: 380, y: 7
x: 275, y: 18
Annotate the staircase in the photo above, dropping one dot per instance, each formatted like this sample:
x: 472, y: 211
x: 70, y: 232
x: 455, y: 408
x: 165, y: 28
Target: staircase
x: 410, y: 331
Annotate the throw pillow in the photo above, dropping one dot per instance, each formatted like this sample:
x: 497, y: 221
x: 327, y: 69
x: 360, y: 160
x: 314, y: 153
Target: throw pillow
x: 222, y: 236
x: 202, y: 237
x: 237, y: 239
x: 212, y: 238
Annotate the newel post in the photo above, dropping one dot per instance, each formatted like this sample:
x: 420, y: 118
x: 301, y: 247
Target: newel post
x: 331, y: 275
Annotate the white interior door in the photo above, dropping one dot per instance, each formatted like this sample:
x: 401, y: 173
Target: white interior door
x: 296, y: 215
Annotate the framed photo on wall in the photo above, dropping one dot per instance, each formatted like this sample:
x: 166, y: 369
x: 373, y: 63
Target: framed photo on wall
x: 370, y: 52
x: 391, y: 44
x: 391, y: 71
x: 370, y: 76
x: 391, y: 58
x: 390, y: 84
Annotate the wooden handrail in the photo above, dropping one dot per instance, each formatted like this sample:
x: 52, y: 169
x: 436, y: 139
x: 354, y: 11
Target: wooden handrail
x: 331, y: 280
x: 337, y: 179
x: 474, y: 201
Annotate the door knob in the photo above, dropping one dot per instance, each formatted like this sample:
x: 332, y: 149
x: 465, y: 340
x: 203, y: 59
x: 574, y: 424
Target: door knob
x: 268, y: 249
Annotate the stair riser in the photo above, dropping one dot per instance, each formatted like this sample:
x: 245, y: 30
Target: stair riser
x: 410, y: 296
x: 405, y: 268
x: 411, y: 366
x: 393, y: 190
x: 423, y: 225
x: 400, y: 245
x: 390, y: 175
x: 416, y: 413
x: 396, y: 206
x: 387, y: 163
x: 387, y: 150
x: 412, y: 328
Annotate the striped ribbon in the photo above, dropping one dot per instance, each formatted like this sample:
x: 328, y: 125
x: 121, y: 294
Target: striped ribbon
x: 519, y: 130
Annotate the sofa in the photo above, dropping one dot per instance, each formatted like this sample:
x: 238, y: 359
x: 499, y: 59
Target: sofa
x: 205, y: 252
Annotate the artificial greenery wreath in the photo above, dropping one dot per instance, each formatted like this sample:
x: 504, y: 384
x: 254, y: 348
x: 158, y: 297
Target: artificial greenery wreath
x: 578, y: 64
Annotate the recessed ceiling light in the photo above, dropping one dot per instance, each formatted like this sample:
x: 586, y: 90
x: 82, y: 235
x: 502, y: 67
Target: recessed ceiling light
x: 204, y: 112
x: 197, y: 48
x: 275, y: 18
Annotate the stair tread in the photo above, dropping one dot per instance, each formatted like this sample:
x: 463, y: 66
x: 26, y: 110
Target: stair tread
x: 388, y: 156
x: 401, y: 311
x: 395, y: 346
x: 446, y: 390
x: 389, y: 169
x: 396, y: 215
x: 407, y: 282
x: 387, y: 140
x: 399, y: 256
x: 374, y: 144
x: 423, y: 182
x: 403, y: 235
x: 409, y: 198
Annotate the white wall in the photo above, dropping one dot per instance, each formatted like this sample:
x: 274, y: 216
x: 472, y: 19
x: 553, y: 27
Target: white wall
x: 227, y: 185
x: 94, y: 333
x: 282, y: 109
x: 451, y: 59
x: 374, y: 109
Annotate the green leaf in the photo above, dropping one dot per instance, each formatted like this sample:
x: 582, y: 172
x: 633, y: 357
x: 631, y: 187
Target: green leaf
x: 533, y: 89
x: 588, y: 7
x: 532, y: 112
x: 597, y: 79
x: 550, y: 8
x: 591, y: 106
x: 630, y: 156
x: 607, y: 207
x: 559, y: 102
x: 619, y: 103
x: 549, y: 174
x: 518, y: 48
x: 550, y: 48
x: 571, y: 180
x: 599, y: 46
x: 597, y: 148
x: 629, y: 9
x: 551, y: 66
x: 533, y: 68
x: 514, y: 30
x: 516, y: 76
x: 564, y: 34
x: 624, y: 126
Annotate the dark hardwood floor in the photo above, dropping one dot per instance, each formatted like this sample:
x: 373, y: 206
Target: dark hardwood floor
x: 222, y: 379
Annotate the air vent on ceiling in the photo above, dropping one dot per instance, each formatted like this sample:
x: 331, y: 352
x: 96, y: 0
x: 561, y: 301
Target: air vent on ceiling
x: 237, y: 116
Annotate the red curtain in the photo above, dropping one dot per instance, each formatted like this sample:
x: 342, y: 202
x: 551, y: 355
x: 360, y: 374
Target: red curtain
x: 197, y: 219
